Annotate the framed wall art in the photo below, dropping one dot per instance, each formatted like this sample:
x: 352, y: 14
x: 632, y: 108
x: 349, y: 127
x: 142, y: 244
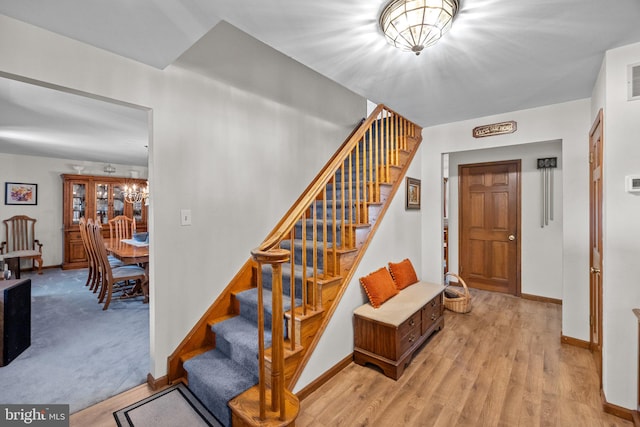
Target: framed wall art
x: 413, y: 193
x: 19, y: 193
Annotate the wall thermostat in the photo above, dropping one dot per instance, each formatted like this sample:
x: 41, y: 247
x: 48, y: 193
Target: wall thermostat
x: 632, y: 184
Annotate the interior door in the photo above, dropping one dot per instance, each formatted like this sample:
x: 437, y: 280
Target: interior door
x: 595, y: 241
x: 490, y: 225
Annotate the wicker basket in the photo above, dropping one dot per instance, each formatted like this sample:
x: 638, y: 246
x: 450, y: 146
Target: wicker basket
x: 459, y: 299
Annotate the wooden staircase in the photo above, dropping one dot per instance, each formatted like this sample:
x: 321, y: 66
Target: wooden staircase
x: 327, y: 230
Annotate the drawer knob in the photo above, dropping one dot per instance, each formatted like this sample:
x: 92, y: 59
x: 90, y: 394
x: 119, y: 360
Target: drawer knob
x: 434, y: 316
x: 412, y: 322
x: 412, y: 338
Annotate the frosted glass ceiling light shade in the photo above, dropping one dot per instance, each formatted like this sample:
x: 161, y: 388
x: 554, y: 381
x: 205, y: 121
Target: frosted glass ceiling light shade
x: 412, y: 25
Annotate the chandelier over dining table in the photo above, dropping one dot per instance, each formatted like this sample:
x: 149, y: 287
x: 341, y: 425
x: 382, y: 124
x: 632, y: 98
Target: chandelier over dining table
x: 135, y: 194
x: 412, y: 25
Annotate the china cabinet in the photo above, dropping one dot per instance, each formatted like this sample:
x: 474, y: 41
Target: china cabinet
x: 100, y: 198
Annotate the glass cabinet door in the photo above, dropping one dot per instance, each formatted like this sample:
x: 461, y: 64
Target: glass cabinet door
x: 118, y: 201
x: 138, y: 213
x: 102, y: 203
x: 79, y: 201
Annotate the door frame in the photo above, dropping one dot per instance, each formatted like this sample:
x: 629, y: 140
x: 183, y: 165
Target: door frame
x: 518, y: 173
x: 595, y: 224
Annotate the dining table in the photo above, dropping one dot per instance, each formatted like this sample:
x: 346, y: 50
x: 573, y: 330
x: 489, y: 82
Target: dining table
x: 131, y: 251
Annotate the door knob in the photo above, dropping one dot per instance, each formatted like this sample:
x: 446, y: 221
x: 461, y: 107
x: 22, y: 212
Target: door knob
x: 512, y: 237
x: 595, y: 270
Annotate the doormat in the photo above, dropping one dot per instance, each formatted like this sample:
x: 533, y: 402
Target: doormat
x: 175, y: 406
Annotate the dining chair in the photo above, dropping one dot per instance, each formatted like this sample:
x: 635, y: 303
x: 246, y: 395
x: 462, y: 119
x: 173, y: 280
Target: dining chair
x: 122, y: 227
x: 95, y: 269
x: 112, y: 276
x: 92, y: 268
x: 20, y: 242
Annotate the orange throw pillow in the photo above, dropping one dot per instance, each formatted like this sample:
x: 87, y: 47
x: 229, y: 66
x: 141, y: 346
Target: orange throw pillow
x: 403, y: 273
x: 379, y: 287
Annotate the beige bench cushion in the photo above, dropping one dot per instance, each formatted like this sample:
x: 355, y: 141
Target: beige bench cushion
x: 402, y: 306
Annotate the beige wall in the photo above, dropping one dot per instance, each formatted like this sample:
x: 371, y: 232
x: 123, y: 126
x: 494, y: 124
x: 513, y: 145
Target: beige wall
x: 621, y: 229
x: 229, y: 154
x: 45, y: 172
x: 541, y: 247
x: 568, y: 123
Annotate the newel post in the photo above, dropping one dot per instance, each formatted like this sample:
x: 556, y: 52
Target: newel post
x: 274, y: 257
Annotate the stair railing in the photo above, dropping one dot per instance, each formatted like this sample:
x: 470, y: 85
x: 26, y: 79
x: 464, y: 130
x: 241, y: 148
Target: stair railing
x: 360, y: 165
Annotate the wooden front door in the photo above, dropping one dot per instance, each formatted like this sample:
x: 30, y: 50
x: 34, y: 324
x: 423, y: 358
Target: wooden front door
x: 595, y: 241
x: 490, y: 226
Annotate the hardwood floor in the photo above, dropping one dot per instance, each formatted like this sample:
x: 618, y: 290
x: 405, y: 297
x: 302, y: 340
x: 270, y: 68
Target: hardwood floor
x: 500, y: 365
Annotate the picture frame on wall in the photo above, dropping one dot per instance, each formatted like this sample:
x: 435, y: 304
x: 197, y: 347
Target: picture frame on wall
x: 413, y: 193
x: 20, y: 193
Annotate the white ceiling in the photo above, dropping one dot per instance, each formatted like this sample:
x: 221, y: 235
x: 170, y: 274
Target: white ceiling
x: 500, y: 55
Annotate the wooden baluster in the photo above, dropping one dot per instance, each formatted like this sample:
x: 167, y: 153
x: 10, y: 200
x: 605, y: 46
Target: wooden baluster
x: 292, y: 293
x: 371, y: 178
x: 343, y: 229
x: 377, y: 159
x: 363, y: 196
x: 334, y: 244
x: 387, y: 148
x: 324, y: 232
x: 315, y: 257
x: 397, y: 139
x: 383, y: 121
x: 304, y: 264
x: 393, y: 141
x: 261, y: 368
x: 350, y: 199
x: 404, y: 133
x: 357, y: 196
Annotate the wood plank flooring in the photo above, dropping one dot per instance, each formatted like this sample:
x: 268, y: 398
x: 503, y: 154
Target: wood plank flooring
x: 500, y: 365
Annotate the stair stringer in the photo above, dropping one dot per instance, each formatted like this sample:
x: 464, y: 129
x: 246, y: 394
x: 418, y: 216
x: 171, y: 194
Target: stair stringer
x: 200, y: 338
x: 329, y: 311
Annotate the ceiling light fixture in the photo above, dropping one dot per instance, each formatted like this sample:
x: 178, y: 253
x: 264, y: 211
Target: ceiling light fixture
x: 134, y: 194
x: 412, y: 25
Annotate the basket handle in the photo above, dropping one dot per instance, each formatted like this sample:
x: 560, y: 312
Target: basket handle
x: 460, y: 280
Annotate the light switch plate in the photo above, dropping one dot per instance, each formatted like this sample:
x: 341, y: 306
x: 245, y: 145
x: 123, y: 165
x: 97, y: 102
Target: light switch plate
x: 185, y: 216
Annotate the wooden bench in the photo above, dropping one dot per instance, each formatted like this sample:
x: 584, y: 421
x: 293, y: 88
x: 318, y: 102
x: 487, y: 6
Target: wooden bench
x: 388, y: 336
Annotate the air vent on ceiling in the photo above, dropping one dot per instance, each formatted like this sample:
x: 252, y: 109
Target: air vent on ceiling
x: 634, y: 81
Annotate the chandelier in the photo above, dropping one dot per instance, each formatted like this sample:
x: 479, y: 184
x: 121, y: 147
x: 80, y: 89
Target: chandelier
x: 134, y: 194
x: 412, y: 25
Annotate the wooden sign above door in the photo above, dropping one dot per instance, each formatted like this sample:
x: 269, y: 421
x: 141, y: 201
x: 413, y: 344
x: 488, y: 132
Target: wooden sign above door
x: 495, y: 129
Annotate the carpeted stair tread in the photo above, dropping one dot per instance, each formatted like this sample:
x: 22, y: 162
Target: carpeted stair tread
x: 320, y: 224
x: 238, y: 339
x: 215, y: 379
x: 298, y: 245
x: 249, y: 305
x: 286, y: 277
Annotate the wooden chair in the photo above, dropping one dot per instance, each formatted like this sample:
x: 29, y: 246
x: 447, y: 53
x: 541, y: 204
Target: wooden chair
x: 20, y: 240
x: 122, y: 227
x: 93, y: 270
x: 93, y: 278
x: 111, y: 276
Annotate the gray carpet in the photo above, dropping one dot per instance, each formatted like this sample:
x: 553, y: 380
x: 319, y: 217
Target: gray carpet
x: 79, y: 354
x: 173, y: 407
